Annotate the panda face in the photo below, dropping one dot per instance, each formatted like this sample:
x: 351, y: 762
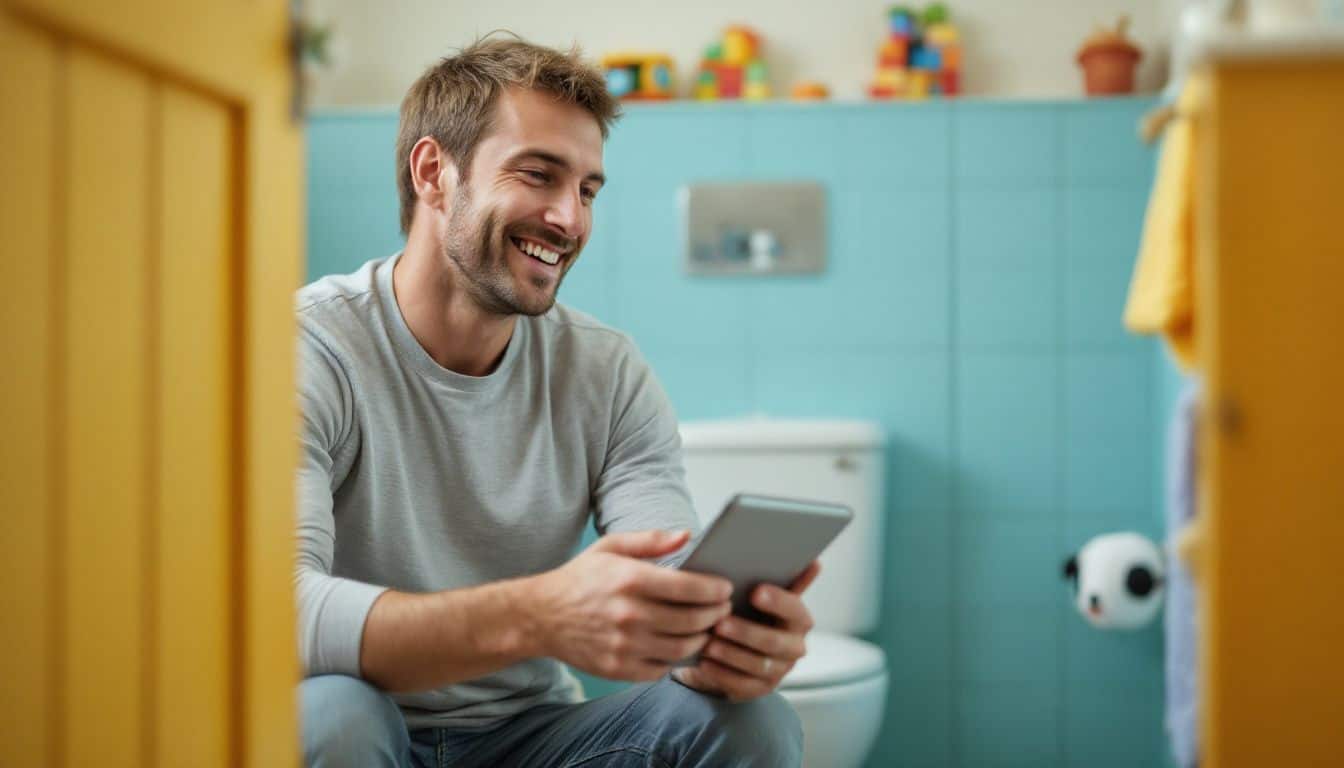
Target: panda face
x: 1116, y: 580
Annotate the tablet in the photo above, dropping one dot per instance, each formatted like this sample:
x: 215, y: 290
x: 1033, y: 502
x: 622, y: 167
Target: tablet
x: 764, y: 540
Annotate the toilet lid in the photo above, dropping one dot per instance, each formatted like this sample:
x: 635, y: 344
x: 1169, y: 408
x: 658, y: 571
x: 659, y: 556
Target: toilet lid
x: 833, y: 659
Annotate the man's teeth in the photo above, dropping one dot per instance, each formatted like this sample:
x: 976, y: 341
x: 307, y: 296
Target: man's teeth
x: 545, y: 254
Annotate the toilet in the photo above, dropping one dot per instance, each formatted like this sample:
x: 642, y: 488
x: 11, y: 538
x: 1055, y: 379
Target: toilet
x: 839, y: 688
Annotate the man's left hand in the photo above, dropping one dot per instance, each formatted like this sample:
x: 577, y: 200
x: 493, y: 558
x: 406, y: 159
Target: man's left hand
x: 745, y: 660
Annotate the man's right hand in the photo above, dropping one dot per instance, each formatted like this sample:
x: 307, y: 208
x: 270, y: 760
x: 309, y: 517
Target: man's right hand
x: 609, y: 613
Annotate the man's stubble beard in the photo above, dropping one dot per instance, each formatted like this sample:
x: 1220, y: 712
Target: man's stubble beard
x: 487, y: 278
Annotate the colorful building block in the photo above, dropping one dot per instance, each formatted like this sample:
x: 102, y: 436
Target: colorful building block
x: 733, y: 68
x: 941, y: 34
x: 951, y: 56
x: 729, y: 80
x: 707, y: 85
x: 918, y: 87
x: 920, y: 47
x: 892, y: 77
x: 926, y: 58
x: 895, y: 52
x: 901, y: 21
x: 950, y: 80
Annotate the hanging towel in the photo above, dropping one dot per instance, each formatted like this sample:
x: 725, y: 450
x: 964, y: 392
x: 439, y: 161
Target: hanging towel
x: 1162, y: 290
x: 1181, y: 663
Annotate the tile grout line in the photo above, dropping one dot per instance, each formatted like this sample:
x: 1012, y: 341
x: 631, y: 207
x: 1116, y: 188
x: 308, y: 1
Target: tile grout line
x: 1061, y: 423
x: 954, y: 447
x: 751, y: 358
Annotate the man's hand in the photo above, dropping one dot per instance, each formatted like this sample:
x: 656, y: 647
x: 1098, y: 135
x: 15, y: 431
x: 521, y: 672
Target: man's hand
x: 610, y: 614
x: 745, y: 660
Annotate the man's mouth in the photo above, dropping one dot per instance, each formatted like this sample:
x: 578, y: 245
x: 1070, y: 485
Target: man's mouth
x: 537, y: 251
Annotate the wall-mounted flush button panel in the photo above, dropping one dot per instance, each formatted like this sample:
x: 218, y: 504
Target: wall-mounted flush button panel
x: 753, y: 227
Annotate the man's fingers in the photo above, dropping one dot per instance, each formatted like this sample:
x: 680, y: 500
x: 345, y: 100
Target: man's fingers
x: 784, y: 604
x: 746, y: 661
x: 642, y: 543
x: 669, y: 648
x: 673, y: 586
x: 735, y: 685
x: 767, y: 641
x: 806, y: 578
x: 669, y: 619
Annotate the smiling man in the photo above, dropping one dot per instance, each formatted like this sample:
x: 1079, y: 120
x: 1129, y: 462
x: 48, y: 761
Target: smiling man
x: 461, y: 428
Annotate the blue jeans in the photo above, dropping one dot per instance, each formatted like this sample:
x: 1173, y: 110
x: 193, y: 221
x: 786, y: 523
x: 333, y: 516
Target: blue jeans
x: 347, y: 722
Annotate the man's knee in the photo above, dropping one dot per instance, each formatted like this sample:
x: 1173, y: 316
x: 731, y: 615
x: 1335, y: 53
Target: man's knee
x: 714, y: 731
x: 347, y: 722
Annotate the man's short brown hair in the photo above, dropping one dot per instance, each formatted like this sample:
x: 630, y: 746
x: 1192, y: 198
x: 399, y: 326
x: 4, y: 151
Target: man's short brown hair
x: 453, y: 102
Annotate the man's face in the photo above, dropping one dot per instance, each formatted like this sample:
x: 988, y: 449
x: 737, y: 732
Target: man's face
x: 527, y: 202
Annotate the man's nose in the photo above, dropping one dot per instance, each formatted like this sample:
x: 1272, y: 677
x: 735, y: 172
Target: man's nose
x: 566, y: 213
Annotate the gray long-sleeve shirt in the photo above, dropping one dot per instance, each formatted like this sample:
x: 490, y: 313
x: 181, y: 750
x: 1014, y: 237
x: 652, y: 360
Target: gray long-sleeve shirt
x: 417, y: 478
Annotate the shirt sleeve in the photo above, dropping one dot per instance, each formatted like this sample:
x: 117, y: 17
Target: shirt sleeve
x: 643, y: 482
x: 331, y: 610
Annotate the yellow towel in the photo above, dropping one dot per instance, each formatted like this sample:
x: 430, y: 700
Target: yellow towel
x: 1162, y: 291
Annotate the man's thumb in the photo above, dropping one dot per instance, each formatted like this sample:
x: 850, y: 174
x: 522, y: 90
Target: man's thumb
x: 642, y: 543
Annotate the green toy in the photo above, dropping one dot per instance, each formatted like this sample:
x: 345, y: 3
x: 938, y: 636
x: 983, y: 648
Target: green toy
x: 934, y: 13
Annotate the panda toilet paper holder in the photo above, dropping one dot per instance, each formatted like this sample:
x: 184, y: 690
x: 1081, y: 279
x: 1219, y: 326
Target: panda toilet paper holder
x: 1118, y: 580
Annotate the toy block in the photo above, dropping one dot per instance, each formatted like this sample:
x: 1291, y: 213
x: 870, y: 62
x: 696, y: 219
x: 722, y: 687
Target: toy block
x: 730, y: 81
x: 894, y: 53
x: 941, y: 34
x: 894, y: 77
x: 926, y: 58
x: 902, y: 23
x: 707, y: 84
x: 918, y: 87
x: 951, y: 55
x: 950, y: 80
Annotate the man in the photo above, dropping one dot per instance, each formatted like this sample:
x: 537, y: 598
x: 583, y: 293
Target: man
x: 459, y: 429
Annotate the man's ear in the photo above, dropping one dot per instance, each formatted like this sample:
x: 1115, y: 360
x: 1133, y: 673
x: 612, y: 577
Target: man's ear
x: 433, y: 174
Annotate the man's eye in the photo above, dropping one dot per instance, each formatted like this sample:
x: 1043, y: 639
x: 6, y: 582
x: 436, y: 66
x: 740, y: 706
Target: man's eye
x: 538, y: 175
x: 588, y: 194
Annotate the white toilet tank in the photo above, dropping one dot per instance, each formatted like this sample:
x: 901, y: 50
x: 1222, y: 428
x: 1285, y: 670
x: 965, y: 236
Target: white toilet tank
x: 835, y: 461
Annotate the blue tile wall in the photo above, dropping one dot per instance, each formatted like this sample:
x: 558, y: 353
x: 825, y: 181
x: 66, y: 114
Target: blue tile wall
x: 352, y: 190
x: 979, y: 257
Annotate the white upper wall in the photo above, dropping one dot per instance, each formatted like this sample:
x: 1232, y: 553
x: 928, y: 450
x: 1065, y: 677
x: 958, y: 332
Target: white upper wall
x: 1011, y: 48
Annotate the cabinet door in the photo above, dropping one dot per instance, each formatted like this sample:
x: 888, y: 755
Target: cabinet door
x: 1270, y: 229
x: 150, y: 215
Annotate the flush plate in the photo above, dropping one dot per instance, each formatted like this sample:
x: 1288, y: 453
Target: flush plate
x: 776, y: 227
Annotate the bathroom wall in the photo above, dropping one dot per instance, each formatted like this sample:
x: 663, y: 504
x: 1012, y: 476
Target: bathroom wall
x: 979, y: 258
x: 1013, y: 49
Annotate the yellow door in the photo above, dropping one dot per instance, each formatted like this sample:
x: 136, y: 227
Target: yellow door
x: 150, y: 220
x: 1271, y: 267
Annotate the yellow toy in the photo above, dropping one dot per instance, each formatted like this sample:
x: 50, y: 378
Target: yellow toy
x: 639, y: 76
x: 740, y: 46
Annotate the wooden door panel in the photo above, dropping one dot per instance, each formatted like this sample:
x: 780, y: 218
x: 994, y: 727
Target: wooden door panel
x: 107, y: 391
x: 29, y: 564
x: 196, y: 543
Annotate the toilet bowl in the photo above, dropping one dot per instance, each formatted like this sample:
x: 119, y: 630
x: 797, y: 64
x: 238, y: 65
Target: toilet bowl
x: 838, y: 690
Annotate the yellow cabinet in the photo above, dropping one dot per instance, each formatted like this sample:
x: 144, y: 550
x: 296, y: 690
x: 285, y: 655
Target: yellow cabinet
x: 1269, y: 326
